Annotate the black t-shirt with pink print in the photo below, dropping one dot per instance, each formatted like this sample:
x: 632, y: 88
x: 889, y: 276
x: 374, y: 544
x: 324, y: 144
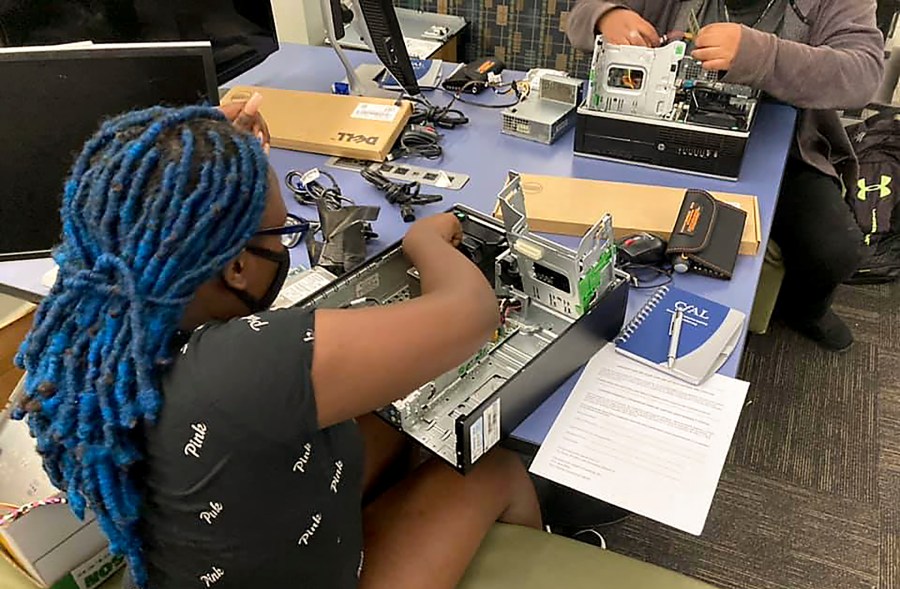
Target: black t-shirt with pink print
x: 243, y: 488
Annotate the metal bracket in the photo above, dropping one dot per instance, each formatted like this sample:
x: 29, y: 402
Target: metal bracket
x: 404, y: 172
x: 566, y: 281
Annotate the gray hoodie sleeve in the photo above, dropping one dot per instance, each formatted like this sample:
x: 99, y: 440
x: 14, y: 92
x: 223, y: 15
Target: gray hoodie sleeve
x: 840, y: 68
x: 581, y: 26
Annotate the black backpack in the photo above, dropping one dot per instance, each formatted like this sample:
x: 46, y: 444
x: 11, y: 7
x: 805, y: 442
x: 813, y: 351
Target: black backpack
x: 875, y: 199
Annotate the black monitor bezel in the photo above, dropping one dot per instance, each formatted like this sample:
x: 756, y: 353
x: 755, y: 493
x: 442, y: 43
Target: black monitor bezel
x: 202, y: 49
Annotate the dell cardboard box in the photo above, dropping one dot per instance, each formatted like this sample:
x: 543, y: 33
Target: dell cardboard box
x: 568, y: 206
x: 330, y: 124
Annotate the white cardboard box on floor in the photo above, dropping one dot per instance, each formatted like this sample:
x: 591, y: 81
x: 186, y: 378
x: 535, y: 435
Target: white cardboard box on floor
x: 48, y: 543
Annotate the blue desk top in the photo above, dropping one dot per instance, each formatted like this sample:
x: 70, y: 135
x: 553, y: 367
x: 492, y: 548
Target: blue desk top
x: 480, y: 150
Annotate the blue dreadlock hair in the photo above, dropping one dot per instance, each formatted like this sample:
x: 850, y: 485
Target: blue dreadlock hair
x: 158, y: 202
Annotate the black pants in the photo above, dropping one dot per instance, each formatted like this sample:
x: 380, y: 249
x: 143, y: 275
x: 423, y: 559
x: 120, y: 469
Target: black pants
x: 819, y: 240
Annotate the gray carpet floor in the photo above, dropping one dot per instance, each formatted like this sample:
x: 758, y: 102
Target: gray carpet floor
x: 810, y: 495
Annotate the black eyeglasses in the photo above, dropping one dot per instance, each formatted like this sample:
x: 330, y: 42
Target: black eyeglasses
x: 291, y: 232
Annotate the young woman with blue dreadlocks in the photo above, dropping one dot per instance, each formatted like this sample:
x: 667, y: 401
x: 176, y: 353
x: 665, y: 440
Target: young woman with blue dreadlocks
x: 220, y: 444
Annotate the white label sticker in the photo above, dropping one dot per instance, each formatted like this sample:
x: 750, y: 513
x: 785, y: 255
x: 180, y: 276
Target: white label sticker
x: 96, y: 570
x: 49, y: 279
x: 310, y: 176
x: 375, y: 112
x: 421, y: 48
x: 367, y: 285
x: 492, y: 425
x: 443, y: 180
x: 300, y: 285
x: 476, y: 439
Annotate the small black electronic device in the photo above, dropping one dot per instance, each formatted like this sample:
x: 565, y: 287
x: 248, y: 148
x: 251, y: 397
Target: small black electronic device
x: 426, y: 131
x: 707, y: 236
x: 417, y: 141
x: 473, y: 77
x: 640, y: 248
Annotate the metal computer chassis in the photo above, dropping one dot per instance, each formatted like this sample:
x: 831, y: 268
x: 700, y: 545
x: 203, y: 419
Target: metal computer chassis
x: 462, y: 414
x: 642, y: 107
x: 668, y: 145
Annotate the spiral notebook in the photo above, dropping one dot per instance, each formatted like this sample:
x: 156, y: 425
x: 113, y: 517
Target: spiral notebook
x: 427, y: 71
x: 710, y: 331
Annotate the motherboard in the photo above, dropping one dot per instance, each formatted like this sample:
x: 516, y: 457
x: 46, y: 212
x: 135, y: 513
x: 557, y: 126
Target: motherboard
x: 667, y: 84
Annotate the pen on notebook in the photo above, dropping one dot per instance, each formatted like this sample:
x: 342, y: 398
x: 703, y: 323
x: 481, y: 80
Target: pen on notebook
x: 674, y: 336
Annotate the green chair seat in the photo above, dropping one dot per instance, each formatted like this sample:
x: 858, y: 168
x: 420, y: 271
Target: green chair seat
x: 512, y: 557
x: 770, y: 279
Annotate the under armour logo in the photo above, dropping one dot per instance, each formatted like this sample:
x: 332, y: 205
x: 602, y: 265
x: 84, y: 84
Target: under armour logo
x: 883, y: 189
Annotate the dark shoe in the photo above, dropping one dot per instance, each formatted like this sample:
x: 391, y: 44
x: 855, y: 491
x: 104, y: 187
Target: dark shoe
x: 829, y: 331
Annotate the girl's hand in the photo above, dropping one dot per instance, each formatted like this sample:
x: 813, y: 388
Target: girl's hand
x: 245, y: 116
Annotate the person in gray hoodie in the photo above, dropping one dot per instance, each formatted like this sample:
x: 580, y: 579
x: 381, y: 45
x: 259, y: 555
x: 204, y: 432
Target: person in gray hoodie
x: 819, y: 56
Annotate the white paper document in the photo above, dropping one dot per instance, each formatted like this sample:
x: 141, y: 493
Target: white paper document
x: 420, y: 48
x: 638, y: 438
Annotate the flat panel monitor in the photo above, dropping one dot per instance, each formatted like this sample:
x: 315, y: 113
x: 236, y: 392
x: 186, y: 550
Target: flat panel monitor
x: 382, y: 34
x: 242, y: 32
x: 54, y: 99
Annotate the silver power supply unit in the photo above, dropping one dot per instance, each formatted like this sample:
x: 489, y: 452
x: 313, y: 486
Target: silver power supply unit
x: 547, y: 116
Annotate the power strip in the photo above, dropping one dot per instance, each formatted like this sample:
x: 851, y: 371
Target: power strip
x: 404, y: 172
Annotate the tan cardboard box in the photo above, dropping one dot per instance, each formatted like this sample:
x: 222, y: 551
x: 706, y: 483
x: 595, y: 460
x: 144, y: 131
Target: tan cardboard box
x: 570, y: 206
x: 91, y: 574
x: 11, y: 337
x: 48, y: 545
x: 345, y: 126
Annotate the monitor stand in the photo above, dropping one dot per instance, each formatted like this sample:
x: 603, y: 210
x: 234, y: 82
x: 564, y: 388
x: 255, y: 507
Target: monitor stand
x: 334, y: 31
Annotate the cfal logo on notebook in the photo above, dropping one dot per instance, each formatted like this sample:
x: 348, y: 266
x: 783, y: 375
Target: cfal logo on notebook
x: 693, y: 311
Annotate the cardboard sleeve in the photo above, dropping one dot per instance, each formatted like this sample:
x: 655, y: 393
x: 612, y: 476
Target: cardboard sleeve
x: 570, y: 206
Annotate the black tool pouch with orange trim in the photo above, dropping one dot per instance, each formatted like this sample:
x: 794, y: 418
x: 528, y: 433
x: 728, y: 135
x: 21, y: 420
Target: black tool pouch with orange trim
x: 707, y: 235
